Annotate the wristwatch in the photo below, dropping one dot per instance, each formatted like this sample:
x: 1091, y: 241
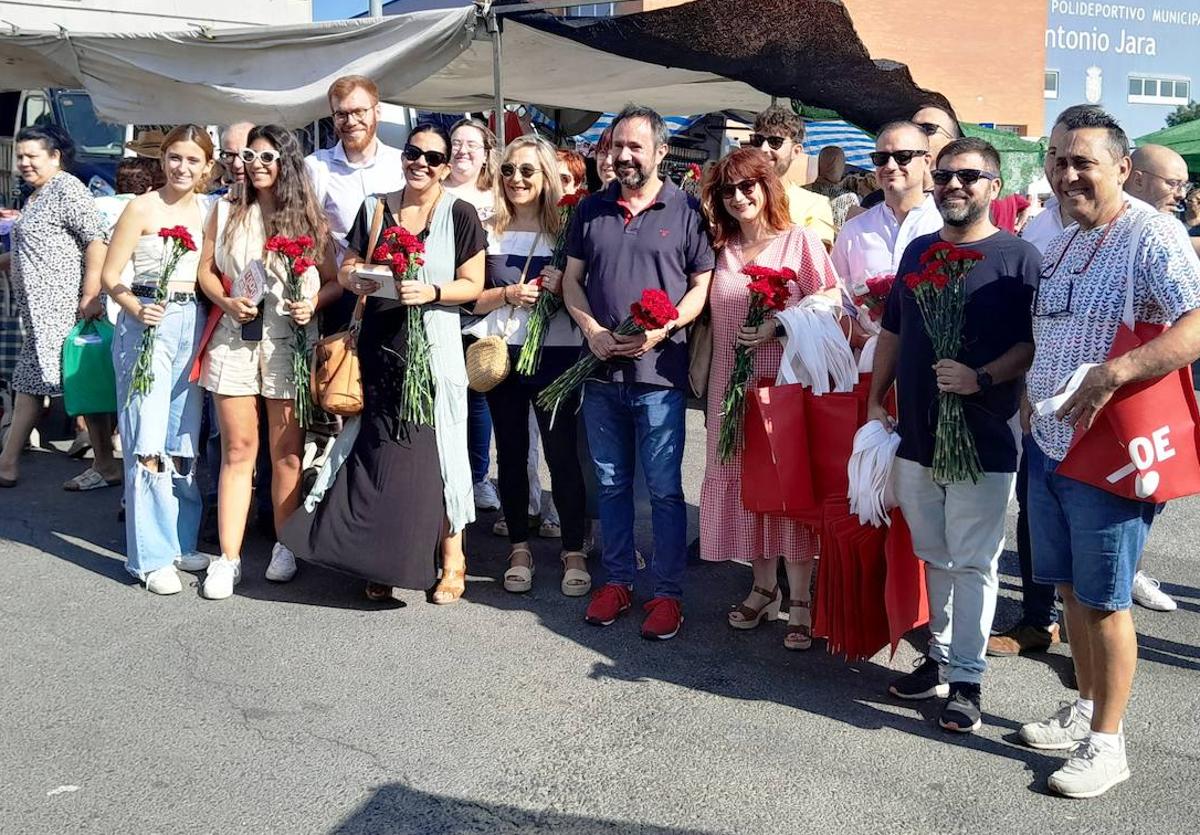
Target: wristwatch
x: 983, y: 379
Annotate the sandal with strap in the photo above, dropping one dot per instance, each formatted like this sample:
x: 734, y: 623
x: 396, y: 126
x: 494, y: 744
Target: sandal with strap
x: 451, y: 587
x: 746, y: 617
x: 519, y: 578
x: 378, y: 592
x: 576, y: 582
x: 799, y: 635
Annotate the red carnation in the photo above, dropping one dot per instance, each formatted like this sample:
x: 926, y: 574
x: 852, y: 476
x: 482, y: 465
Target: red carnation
x: 382, y: 254
x: 934, y: 250
x: 569, y: 200
x: 653, y: 310
x: 300, y: 265
x: 276, y: 243
x: 304, y: 241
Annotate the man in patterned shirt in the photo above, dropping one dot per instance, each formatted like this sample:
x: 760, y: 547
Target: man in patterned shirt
x: 1085, y: 540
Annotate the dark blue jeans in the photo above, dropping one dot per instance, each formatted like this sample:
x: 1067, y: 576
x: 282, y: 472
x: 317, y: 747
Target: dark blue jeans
x: 626, y: 421
x: 479, y: 435
x: 1037, y: 599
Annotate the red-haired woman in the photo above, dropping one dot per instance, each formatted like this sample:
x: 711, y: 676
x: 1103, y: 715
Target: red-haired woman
x: 746, y: 205
x: 572, y: 171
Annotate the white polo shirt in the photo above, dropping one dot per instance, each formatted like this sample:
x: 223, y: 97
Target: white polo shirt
x: 342, y: 186
x: 871, y: 243
x: 1044, y: 227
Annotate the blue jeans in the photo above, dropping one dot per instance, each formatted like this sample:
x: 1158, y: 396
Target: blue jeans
x: 625, y: 420
x: 163, y: 507
x: 1083, y: 536
x: 479, y: 435
x: 1037, y: 599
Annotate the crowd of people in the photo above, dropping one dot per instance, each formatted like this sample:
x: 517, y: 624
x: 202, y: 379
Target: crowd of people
x: 213, y: 342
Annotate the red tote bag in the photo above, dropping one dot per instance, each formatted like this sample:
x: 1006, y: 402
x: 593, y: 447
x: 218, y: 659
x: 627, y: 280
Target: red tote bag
x: 776, y: 473
x: 1145, y: 443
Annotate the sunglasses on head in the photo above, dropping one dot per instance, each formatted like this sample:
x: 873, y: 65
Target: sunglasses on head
x: 757, y: 140
x: 880, y: 158
x: 727, y: 190
x: 508, y: 171
x: 966, y: 176
x: 266, y: 156
x: 432, y: 158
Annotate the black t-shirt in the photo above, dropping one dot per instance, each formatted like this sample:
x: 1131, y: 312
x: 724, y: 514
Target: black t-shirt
x: 997, y: 317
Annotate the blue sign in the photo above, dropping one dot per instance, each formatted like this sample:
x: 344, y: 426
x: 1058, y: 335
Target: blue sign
x: 1138, y: 60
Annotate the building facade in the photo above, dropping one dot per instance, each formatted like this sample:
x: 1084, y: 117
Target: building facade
x: 150, y: 15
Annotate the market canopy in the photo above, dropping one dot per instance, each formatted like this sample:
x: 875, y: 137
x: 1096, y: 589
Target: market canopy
x: 1183, y: 139
x: 716, y: 55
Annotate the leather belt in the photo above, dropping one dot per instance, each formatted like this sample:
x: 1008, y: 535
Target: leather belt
x: 147, y: 291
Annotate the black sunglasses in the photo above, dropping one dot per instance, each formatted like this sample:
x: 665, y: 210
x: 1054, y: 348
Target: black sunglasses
x: 776, y: 142
x: 528, y: 172
x: 746, y: 187
x: 932, y: 128
x: 433, y: 158
x: 966, y: 176
x: 880, y: 158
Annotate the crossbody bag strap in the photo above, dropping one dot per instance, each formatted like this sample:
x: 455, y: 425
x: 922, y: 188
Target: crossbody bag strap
x: 508, y: 329
x: 372, y: 241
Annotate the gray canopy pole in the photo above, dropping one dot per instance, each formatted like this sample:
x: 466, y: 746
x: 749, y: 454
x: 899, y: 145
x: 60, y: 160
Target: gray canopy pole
x: 376, y: 9
x: 493, y: 28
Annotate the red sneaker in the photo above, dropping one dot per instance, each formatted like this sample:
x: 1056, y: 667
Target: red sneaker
x: 664, y: 618
x: 608, y: 602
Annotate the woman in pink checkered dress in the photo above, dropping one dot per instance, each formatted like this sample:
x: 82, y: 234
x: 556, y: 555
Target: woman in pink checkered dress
x: 747, y: 207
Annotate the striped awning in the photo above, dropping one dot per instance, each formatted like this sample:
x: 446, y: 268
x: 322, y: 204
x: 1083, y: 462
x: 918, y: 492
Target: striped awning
x: 675, y: 124
x: 856, y: 142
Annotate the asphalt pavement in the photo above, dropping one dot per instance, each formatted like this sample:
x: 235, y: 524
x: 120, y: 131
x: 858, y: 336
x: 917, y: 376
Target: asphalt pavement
x: 303, y: 708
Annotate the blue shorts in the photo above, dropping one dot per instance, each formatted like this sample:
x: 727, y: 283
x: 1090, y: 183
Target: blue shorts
x: 1083, y: 536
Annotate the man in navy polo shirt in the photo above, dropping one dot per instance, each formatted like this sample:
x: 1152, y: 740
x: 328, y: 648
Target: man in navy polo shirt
x: 958, y: 528
x: 639, y: 232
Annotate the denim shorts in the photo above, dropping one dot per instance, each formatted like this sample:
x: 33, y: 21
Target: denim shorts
x: 1083, y: 536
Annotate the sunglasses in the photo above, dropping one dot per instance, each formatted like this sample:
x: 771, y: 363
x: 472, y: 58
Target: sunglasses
x: 932, y: 128
x: 757, y: 140
x: 508, y: 171
x: 727, y: 190
x: 227, y: 156
x: 434, y: 159
x: 967, y: 176
x: 903, y: 158
x: 266, y: 157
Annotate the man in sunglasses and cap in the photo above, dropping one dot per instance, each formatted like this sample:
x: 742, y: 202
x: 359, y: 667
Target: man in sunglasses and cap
x: 958, y: 526
x: 871, y: 243
x: 779, y: 133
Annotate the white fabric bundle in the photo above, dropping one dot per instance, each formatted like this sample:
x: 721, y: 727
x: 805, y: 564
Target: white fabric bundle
x: 866, y: 357
x: 816, y: 351
x: 870, y: 472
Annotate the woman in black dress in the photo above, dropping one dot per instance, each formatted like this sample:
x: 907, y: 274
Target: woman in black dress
x: 405, y: 488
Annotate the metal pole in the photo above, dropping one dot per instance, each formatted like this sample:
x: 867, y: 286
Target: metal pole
x: 493, y: 24
x: 376, y: 9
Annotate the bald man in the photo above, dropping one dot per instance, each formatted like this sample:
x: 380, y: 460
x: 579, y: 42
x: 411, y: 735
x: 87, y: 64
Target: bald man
x: 1159, y: 177
x: 831, y: 167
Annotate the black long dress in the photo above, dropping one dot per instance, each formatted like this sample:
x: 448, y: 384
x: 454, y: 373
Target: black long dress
x: 381, y: 519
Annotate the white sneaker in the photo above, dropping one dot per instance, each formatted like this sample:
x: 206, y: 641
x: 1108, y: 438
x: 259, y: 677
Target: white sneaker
x: 193, y: 561
x: 164, y: 581
x: 1065, y: 729
x: 1090, y: 771
x: 1147, y: 594
x: 486, y: 497
x: 283, y: 564
x: 222, y: 576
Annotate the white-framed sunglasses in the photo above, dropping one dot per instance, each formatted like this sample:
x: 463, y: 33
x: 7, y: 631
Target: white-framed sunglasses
x: 266, y: 157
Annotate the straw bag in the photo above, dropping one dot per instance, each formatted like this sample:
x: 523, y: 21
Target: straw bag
x: 336, y: 378
x: 488, y: 363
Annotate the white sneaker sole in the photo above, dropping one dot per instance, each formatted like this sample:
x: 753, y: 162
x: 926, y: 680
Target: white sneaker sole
x: 1050, y: 746
x: 956, y: 729
x: 280, y: 576
x: 1084, y: 795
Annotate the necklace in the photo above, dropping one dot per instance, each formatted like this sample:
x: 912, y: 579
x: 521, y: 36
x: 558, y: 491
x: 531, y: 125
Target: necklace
x: 1096, y: 249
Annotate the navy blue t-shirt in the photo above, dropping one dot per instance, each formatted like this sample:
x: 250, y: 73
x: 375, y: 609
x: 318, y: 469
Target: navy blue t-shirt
x: 997, y: 317
x: 659, y: 248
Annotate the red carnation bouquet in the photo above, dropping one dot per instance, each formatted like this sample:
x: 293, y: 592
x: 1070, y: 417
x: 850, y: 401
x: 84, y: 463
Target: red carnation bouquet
x: 941, y: 292
x: 769, y: 291
x: 654, y: 310
x: 547, y: 303
x: 875, y: 296
x: 293, y: 253
x: 691, y: 179
x: 404, y: 252
x: 177, y: 242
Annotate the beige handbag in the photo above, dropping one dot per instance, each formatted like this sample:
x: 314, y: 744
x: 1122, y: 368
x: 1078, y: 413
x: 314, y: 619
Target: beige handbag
x: 336, y: 379
x: 488, y: 363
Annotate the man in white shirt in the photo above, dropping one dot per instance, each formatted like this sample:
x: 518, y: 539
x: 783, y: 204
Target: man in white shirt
x: 871, y: 243
x: 358, y: 166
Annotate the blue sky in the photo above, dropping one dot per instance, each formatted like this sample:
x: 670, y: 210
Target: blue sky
x: 338, y: 9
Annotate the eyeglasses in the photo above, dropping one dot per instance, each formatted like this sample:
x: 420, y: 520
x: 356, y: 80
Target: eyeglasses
x: 266, y: 156
x: 932, y: 128
x: 967, y: 176
x: 727, y: 190
x: 1043, y: 309
x: 462, y: 145
x: 358, y: 115
x: 432, y: 158
x: 1173, y: 185
x: 903, y: 158
x: 227, y: 156
x: 776, y: 142
x: 508, y: 171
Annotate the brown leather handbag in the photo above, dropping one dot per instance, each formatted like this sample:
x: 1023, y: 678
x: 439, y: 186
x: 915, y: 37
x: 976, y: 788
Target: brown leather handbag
x: 336, y: 379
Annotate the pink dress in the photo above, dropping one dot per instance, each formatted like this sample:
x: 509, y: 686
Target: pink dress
x: 727, y: 530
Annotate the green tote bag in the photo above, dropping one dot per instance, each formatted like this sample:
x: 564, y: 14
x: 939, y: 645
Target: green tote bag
x: 89, y: 382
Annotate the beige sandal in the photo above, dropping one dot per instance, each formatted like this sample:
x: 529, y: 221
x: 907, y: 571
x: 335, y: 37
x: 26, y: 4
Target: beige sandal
x: 576, y: 582
x: 746, y: 617
x: 519, y: 578
x: 451, y: 587
x: 799, y: 635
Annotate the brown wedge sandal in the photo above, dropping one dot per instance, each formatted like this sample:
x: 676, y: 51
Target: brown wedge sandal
x: 799, y: 635
x: 450, y: 587
x: 746, y: 617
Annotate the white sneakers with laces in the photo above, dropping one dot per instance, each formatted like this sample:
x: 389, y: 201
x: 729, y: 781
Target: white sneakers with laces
x: 486, y: 497
x: 283, y: 564
x: 164, y: 581
x: 222, y: 576
x: 1092, y: 769
x: 1146, y: 593
x: 1065, y: 729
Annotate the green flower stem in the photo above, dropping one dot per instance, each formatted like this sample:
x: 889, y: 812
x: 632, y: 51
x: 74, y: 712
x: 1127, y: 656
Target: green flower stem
x: 555, y: 394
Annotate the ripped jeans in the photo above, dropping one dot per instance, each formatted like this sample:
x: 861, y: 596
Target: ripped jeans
x: 162, y: 502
